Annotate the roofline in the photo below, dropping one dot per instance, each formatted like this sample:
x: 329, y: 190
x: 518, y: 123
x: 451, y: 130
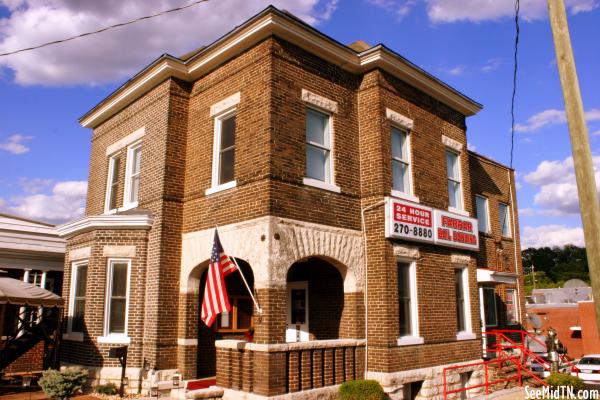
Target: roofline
x: 267, y: 23
x: 33, y: 221
x: 489, y: 160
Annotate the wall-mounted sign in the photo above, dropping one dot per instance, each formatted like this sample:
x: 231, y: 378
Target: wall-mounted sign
x: 456, y: 230
x: 410, y: 221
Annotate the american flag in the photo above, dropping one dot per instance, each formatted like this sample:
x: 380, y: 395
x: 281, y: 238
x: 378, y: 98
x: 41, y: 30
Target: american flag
x: 215, y: 299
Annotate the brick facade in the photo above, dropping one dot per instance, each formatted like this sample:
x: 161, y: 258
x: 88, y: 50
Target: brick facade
x: 285, y: 230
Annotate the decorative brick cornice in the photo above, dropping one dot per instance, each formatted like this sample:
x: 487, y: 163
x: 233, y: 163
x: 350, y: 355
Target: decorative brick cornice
x: 114, y: 221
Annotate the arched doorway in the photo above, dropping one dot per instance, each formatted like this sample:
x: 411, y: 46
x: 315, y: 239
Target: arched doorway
x: 236, y: 324
x: 315, y: 300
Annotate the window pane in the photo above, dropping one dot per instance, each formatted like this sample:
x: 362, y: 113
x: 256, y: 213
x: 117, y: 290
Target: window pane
x: 401, y: 176
x: 244, y: 313
x: 511, y: 310
x: 504, y: 221
x: 317, y: 128
x: 460, y: 299
x: 489, y: 299
x: 117, y: 316
x: 228, y: 132
x: 225, y: 320
x: 404, y: 299
x: 317, y: 163
x: 454, y: 194
x: 482, y: 212
x: 81, y: 283
x: 135, y: 188
x: 399, y: 145
x: 119, y: 280
x: 137, y: 159
x: 226, y: 166
x: 78, y: 312
x: 452, y: 165
x: 116, y: 165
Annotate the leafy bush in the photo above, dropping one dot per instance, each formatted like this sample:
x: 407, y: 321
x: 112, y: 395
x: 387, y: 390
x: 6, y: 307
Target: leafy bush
x: 555, y: 380
x: 63, y: 385
x: 361, y: 390
x: 109, y: 389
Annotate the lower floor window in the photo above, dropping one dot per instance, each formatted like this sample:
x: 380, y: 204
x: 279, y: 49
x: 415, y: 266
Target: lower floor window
x: 512, y: 312
x: 489, y: 304
x: 117, y: 296
x: 240, y: 316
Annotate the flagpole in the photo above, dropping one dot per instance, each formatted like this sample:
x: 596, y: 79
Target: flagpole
x: 247, y: 286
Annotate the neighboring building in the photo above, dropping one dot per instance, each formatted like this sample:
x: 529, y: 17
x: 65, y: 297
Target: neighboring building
x: 321, y: 165
x: 570, y: 311
x: 30, y: 251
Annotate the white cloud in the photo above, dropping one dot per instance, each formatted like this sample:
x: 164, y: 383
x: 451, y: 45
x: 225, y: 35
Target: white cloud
x: 35, y: 185
x: 471, y: 146
x: 119, y: 53
x: 596, y: 133
x: 551, y: 235
x: 66, y: 201
x: 552, y: 117
x: 399, y: 7
x: 478, y: 10
x: 491, y: 65
x: 14, y: 144
x: 557, y: 188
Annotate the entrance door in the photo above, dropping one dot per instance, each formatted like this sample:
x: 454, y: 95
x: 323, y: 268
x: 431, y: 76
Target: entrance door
x: 297, y: 312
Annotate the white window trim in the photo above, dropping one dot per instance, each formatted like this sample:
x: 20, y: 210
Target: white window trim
x: 460, y: 211
x: 411, y: 182
x: 414, y: 337
x: 467, y: 333
x: 218, y: 119
x: 487, y: 212
x: 516, y: 305
x: 70, y: 335
x: 331, y: 186
x: 111, y: 167
x: 508, y: 224
x: 115, y: 337
x: 127, y: 203
x: 483, y: 289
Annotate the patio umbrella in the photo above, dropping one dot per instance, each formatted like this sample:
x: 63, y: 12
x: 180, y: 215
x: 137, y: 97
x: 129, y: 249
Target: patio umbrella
x: 13, y: 291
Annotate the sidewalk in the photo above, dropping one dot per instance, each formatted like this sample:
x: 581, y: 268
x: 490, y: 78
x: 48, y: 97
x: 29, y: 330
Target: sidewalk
x: 517, y: 393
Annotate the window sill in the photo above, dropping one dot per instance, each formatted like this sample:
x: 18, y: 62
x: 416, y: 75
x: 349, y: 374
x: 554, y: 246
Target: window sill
x: 465, y: 336
x: 128, y: 206
x: 405, y: 196
x: 321, y: 185
x: 220, y: 188
x: 410, y: 340
x: 73, y: 336
x: 110, y: 212
x: 459, y: 211
x: 114, y: 339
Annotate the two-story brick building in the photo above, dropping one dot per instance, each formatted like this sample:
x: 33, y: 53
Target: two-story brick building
x: 339, y: 178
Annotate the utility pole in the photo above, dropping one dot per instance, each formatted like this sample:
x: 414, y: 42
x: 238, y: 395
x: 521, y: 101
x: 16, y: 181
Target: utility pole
x: 582, y: 156
x: 533, y: 273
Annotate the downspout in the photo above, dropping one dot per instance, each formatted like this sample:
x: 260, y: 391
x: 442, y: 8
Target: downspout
x: 362, y: 219
x: 514, y: 235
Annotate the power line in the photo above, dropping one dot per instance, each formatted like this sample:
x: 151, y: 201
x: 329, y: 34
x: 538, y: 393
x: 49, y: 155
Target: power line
x: 514, y: 92
x: 104, y: 29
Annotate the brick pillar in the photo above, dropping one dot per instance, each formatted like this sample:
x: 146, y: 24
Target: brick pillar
x: 271, y: 327
x: 269, y: 373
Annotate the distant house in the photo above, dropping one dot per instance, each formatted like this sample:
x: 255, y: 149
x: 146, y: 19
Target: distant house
x: 30, y: 251
x: 570, y: 310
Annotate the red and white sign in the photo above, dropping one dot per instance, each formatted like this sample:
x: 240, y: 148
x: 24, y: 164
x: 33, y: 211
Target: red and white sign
x: 410, y: 221
x: 456, y: 230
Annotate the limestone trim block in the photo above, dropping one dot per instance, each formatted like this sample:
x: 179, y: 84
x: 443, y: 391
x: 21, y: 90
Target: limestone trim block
x: 324, y: 393
x: 118, y: 251
x: 285, y: 347
x: 225, y: 104
x: 404, y: 251
x: 453, y: 144
x: 271, y: 245
x: 126, y: 141
x: 81, y: 253
x: 399, y: 119
x: 319, y: 101
x: 462, y: 259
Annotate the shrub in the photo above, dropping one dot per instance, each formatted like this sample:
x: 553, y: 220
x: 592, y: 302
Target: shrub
x: 556, y: 380
x: 62, y: 385
x: 361, y: 390
x: 109, y: 389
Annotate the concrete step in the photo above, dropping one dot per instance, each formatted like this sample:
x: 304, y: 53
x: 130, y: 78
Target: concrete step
x: 213, y: 392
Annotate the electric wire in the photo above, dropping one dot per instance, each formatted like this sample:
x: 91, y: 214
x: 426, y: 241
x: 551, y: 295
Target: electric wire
x: 514, y: 91
x: 121, y: 24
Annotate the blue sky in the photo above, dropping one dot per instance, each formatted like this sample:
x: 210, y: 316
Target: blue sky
x: 467, y: 43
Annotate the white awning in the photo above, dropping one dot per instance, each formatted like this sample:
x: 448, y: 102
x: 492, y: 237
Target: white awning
x: 13, y: 291
x: 495, y: 277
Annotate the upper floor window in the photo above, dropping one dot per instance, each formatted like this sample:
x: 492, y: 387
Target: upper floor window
x: 112, y: 186
x: 117, y: 294
x: 400, y: 161
x: 481, y: 204
x: 79, y: 272
x: 132, y: 177
x: 503, y: 211
x: 224, y: 152
x: 454, y: 181
x: 318, y: 146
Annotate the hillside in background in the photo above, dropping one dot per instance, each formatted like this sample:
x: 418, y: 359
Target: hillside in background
x: 554, y: 266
